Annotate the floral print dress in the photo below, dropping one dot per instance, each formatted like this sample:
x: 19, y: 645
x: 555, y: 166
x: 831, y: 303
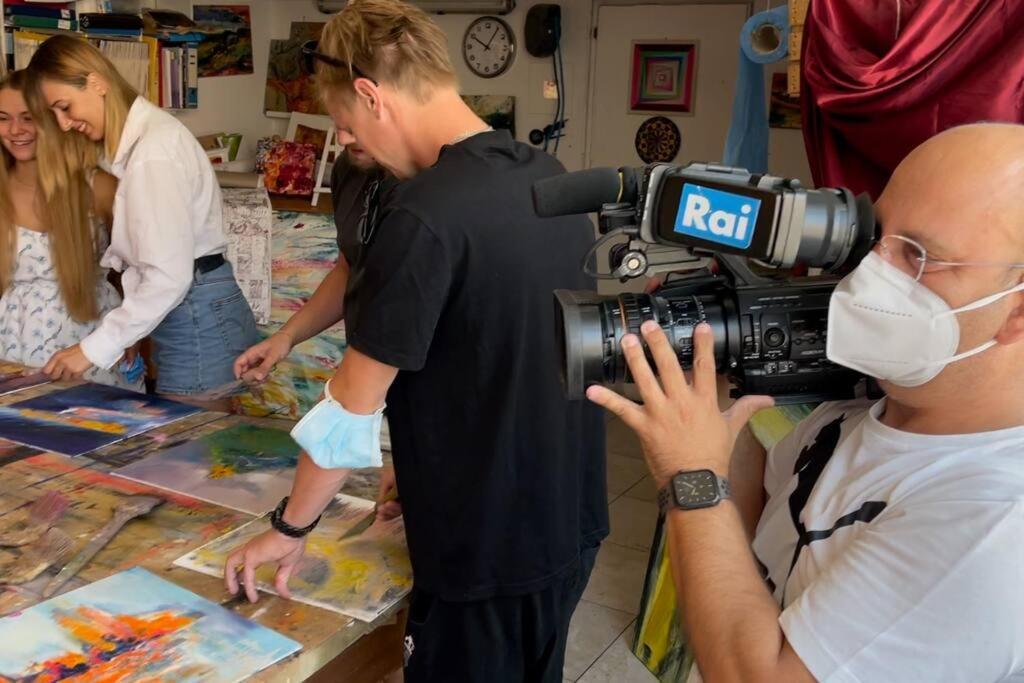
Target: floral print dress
x: 34, y: 321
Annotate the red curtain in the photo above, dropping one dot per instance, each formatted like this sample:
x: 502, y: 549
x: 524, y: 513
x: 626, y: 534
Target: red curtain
x: 877, y: 83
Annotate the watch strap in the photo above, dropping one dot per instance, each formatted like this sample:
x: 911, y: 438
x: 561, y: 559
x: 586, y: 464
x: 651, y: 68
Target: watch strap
x: 278, y: 523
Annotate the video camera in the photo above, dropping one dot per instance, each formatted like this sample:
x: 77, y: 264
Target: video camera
x: 720, y: 223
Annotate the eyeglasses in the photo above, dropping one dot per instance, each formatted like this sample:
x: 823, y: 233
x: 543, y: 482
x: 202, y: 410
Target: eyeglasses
x: 909, y: 256
x: 310, y: 56
x: 371, y: 207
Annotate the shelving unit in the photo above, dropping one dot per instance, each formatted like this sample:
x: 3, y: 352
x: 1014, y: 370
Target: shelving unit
x: 183, y: 59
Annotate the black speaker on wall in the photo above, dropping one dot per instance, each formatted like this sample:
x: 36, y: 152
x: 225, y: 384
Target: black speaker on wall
x: 543, y: 30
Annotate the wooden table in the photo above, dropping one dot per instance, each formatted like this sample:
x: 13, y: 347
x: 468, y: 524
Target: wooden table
x: 336, y: 646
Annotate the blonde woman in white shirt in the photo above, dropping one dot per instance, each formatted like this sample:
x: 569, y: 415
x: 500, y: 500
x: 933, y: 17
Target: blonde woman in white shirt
x: 167, y: 237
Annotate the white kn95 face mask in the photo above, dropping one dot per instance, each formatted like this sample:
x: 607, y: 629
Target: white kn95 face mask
x: 885, y: 324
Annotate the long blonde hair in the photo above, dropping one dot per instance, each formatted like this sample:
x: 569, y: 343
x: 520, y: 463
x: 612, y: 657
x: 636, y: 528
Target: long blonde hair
x: 65, y: 209
x: 69, y: 60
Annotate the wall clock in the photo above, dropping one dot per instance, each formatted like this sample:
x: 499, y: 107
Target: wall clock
x: 489, y: 47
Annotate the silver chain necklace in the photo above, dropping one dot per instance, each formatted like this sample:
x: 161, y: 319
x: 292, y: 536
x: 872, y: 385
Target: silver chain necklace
x: 466, y: 136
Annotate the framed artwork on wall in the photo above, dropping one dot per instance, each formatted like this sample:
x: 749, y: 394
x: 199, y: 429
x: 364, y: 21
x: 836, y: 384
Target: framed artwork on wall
x: 663, y: 77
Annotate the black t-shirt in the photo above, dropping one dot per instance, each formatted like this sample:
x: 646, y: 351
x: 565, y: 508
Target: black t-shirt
x: 348, y: 190
x: 502, y: 479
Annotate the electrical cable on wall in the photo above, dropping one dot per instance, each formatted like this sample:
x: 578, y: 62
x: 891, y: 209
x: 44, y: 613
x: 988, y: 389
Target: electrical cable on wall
x: 543, y: 37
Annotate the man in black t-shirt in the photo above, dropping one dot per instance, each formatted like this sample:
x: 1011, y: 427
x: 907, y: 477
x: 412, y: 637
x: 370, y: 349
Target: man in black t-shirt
x: 354, y: 173
x: 451, y: 319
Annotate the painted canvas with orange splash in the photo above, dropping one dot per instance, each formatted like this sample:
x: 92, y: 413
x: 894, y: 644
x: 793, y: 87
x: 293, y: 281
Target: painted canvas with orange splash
x: 361, y: 577
x: 134, y: 627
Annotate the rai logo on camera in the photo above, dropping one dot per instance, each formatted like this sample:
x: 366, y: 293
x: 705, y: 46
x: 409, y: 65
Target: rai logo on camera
x: 716, y: 216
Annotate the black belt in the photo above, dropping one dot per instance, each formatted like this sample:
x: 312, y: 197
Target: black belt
x: 204, y: 264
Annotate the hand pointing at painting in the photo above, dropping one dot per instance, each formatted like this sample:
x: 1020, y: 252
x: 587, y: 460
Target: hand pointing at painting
x: 269, y: 547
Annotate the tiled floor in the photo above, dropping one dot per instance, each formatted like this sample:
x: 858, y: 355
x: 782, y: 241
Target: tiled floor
x: 602, y: 628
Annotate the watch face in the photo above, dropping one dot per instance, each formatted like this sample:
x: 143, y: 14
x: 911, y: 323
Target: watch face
x: 696, y: 489
x: 488, y: 47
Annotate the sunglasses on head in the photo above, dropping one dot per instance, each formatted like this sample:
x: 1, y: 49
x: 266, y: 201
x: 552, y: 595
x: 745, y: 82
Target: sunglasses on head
x: 310, y: 56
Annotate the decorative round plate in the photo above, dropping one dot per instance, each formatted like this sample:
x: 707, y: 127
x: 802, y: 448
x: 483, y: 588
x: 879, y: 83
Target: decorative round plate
x: 658, y: 139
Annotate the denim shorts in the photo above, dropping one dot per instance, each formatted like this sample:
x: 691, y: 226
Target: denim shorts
x: 196, y: 345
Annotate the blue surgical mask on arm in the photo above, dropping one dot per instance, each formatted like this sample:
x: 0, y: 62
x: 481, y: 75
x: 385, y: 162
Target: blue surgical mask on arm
x: 335, y: 438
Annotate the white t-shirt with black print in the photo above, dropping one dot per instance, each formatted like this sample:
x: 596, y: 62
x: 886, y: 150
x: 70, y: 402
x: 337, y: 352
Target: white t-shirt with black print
x: 896, y: 556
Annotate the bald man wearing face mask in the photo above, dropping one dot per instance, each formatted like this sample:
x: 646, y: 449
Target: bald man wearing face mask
x: 888, y: 534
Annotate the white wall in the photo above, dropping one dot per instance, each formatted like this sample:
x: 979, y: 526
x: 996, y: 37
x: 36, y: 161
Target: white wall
x: 235, y: 103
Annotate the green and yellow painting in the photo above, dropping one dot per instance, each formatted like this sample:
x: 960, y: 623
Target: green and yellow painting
x: 242, y: 467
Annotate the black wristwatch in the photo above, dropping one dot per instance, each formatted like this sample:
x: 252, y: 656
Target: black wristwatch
x: 693, y: 490
x: 277, y: 521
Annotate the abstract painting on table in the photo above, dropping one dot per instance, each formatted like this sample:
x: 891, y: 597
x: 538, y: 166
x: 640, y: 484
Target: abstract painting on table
x: 243, y: 467
x: 134, y: 626
x: 226, y: 49
x: 289, y: 87
x: 13, y: 452
x: 152, y: 541
x: 17, y: 380
x: 663, y: 77
x: 361, y: 577
x: 81, y: 419
x: 305, y: 249
x: 497, y: 111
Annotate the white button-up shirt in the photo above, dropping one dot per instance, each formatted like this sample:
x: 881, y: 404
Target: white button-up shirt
x: 167, y: 213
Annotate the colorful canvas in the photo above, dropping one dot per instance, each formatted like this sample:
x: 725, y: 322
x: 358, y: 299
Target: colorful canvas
x: 290, y: 168
x: 785, y: 108
x: 168, y: 436
x: 306, y: 30
x: 226, y: 49
x: 663, y: 77
x: 243, y: 467
x: 498, y: 111
x: 658, y: 640
x: 289, y: 87
x: 361, y: 577
x: 135, y: 627
x: 311, y: 136
x: 16, y: 381
x: 11, y: 452
x: 181, y: 523
x: 305, y: 249
x: 81, y: 419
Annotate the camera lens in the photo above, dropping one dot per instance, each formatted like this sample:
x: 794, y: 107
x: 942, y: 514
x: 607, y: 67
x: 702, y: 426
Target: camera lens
x: 592, y: 328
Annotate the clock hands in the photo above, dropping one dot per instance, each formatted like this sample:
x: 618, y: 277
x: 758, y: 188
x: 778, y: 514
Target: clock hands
x: 493, y: 37
x: 487, y: 46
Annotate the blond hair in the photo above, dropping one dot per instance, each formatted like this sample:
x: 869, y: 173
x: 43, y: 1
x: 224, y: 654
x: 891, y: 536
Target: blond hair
x: 391, y: 42
x: 70, y: 60
x: 65, y: 209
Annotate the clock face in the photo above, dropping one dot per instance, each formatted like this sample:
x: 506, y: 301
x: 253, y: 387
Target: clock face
x: 488, y: 47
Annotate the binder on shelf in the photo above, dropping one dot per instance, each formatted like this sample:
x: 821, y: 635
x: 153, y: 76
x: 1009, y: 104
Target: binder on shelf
x: 192, y: 76
x: 25, y: 21
x: 39, y: 11
x: 153, y: 87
